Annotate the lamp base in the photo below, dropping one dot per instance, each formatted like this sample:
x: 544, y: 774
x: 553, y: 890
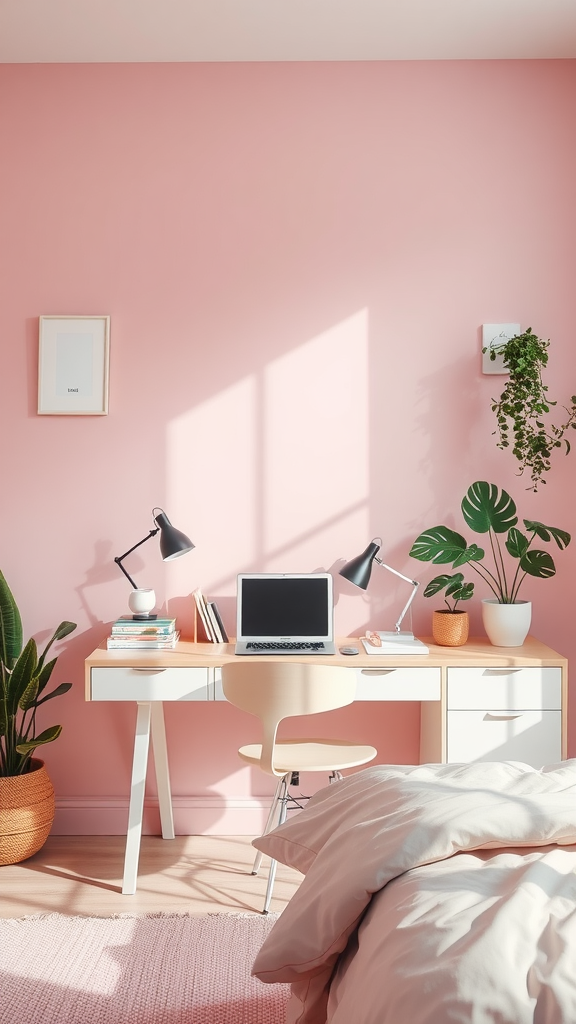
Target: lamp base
x: 145, y: 618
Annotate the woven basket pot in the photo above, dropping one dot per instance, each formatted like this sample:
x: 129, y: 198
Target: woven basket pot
x: 26, y: 813
x: 450, y: 629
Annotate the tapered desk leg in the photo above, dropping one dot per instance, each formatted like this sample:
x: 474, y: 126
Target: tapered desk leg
x: 136, y: 809
x: 162, y: 771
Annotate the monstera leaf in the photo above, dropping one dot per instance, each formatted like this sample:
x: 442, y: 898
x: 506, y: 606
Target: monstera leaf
x: 539, y: 564
x: 486, y: 507
x: 443, y: 545
x: 548, y: 533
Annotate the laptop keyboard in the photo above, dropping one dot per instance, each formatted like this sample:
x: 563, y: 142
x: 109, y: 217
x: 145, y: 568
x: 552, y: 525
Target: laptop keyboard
x: 291, y: 645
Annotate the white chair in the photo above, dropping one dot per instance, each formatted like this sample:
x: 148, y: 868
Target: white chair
x: 283, y: 689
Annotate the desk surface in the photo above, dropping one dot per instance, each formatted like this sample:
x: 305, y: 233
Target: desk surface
x: 477, y: 651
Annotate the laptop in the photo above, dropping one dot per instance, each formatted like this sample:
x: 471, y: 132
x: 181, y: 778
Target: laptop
x: 285, y: 613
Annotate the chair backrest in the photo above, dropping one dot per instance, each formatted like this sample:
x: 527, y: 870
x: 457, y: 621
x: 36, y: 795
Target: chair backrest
x: 283, y: 689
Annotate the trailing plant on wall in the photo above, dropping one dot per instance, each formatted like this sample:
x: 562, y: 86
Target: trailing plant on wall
x: 524, y: 404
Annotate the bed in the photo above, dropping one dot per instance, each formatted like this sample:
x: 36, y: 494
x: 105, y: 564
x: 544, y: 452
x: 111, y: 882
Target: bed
x: 432, y: 894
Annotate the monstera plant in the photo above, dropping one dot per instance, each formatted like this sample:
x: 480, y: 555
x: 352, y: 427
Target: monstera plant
x: 511, y: 554
x: 24, y: 678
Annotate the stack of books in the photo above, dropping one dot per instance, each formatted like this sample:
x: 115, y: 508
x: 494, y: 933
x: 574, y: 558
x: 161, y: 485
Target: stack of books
x: 140, y: 635
x: 211, y: 619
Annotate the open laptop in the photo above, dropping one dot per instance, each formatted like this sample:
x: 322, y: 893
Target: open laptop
x: 289, y: 613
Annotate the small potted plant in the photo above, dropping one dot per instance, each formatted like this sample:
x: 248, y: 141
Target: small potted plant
x: 524, y: 403
x: 488, y: 510
x: 450, y: 625
x: 26, y: 792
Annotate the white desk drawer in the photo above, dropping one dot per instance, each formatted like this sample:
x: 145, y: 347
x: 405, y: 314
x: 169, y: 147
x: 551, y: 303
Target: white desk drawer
x: 534, y: 737
x: 397, y: 683
x: 504, y: 688
x: 382, y: 683
x: 149, y: 683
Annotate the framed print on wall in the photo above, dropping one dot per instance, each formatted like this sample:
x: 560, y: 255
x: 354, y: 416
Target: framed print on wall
x: 73, y: 365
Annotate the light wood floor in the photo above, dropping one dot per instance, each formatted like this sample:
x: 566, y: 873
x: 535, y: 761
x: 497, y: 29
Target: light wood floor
x: 82, y: 875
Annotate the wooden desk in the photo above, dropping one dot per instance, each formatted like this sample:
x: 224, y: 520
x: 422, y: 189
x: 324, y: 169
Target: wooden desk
x: 478, y: 702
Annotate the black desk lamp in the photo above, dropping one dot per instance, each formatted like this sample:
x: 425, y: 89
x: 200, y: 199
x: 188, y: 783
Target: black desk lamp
x: 173, y: 543
x: 358, y: 571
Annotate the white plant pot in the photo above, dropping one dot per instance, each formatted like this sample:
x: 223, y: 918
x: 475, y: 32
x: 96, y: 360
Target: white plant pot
x: 142, y: 602
x: 506, y: 625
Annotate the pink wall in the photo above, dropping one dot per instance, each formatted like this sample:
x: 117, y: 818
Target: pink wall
x: 297, y: 259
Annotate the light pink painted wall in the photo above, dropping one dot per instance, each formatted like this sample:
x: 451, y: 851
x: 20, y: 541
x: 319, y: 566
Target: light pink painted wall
x: 297, y: 260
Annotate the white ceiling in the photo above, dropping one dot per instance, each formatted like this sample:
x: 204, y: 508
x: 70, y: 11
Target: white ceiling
x: 66, y: 31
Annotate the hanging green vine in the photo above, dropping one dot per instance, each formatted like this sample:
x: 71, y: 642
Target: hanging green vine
x: 524, y: 403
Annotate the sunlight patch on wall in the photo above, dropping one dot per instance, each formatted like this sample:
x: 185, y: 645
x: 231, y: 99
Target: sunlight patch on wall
x: 271, y: 473
x: 212, y: 484
x: 315, y: 457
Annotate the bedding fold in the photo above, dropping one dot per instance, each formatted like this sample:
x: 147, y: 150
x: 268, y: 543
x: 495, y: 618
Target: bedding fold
x: 362, y: 835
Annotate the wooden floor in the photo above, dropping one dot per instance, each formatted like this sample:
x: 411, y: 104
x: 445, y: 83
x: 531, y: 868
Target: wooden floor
x: 82, y: 875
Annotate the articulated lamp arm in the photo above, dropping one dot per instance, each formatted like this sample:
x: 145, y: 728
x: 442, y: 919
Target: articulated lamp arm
x: 415, y: 586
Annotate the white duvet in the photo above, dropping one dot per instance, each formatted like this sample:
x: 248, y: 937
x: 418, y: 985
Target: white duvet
x: 433, y: 894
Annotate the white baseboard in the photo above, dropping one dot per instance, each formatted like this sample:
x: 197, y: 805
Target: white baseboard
x: 193, y: 815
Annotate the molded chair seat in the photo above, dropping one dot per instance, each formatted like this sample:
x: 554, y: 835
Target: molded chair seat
x: 276, y: 690
x: 311, y: 755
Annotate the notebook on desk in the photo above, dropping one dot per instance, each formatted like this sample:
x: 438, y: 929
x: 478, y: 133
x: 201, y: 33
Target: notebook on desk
x: 289, y: 613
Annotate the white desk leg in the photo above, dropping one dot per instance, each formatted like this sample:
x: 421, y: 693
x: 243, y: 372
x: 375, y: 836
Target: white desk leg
x: 136, y: 809
x: 162, y: 771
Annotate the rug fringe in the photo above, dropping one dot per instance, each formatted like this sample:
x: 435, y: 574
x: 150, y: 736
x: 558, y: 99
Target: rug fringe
x: 164, y: 915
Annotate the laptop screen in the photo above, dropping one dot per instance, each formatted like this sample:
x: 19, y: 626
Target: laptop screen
x: 296, y: 606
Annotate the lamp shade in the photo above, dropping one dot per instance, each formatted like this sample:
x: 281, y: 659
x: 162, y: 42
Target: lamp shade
x: 358, y: 569
x: 172, y: 542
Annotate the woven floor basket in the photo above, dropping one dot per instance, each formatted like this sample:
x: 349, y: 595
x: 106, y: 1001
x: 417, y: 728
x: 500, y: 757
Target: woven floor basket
x: 26, y: 813
x: 450, y: 629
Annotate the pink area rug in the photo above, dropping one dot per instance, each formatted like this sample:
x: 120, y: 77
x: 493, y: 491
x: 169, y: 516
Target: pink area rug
x: 153, y: 969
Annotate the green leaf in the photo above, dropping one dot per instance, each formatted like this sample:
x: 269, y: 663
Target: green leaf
x: 44, y: 675
x: 28, y: 698
x: 10, y: 626
x: 62, y: 630
x: 440, y: 544
x: 516, y: 543
x: 439, y: 582
x: 546, y: 533
x: 45, y: 737
x: 62, y: 688
x: 21, y: 676
x: 486, y: 508
x: 539, y: 564
x: 472, y: 554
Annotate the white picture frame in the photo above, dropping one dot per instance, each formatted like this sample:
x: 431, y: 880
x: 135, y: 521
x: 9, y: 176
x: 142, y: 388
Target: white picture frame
x: 73, y: 365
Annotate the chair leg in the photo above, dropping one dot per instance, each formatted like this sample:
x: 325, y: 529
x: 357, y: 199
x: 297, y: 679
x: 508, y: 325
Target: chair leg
x: 274, y: 806
x: 283, y: 800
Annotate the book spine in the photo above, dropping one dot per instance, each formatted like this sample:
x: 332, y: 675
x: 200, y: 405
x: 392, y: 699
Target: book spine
x: 218, y: 618
x: 214, y: 623
x: 200, y: 604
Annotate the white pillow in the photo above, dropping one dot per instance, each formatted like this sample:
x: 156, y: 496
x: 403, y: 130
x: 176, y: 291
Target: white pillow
x: 382, y: 790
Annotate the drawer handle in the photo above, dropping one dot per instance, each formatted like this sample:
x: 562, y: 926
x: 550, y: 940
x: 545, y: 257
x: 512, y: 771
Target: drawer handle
x: 501, y: 716
x: 377, y: 671
x: 148, y: 671
x: 500, y: 671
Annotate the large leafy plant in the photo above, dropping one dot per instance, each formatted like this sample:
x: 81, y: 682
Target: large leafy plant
x: 524, y: 404
x: 489, y: 510
x: 24, y: 677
